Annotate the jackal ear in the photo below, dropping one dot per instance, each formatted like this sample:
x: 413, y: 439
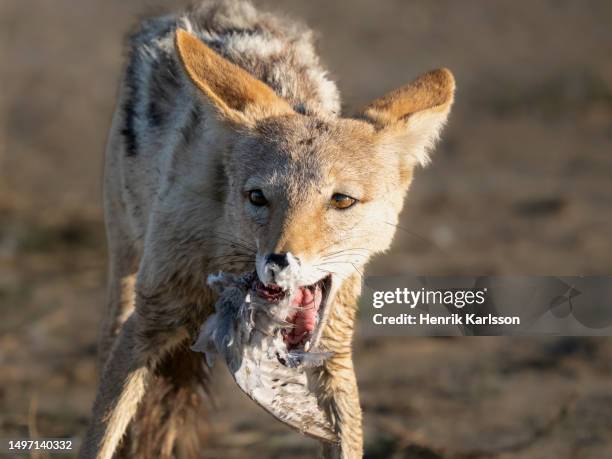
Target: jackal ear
x: 413, y: 116
x: 237, y: 96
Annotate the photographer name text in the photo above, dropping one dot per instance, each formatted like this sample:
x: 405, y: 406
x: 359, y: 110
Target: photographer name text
x: 453, y: 319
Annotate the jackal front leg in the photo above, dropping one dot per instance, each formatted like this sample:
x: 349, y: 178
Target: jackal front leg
x: 122, y: 386
x: 342, y: 401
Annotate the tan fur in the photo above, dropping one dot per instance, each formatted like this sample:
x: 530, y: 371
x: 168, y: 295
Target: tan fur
x: 431, y: 91
x: 237, y: 95
x: 171, y: 219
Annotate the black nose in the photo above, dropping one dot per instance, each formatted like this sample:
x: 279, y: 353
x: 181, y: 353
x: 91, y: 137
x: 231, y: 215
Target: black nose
x: 278, y: 259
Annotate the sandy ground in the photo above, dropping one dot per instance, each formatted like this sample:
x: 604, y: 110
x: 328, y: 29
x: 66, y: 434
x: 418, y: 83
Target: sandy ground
x: 521, y: 184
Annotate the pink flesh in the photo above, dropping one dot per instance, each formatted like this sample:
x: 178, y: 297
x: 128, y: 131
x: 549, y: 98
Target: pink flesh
x: 304, y: 317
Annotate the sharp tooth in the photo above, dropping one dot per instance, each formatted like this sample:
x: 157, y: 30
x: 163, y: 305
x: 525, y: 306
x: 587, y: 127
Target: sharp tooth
x: 307, y: 346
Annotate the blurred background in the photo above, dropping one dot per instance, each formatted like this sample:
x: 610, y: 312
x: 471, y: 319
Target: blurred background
x: 521, y: 184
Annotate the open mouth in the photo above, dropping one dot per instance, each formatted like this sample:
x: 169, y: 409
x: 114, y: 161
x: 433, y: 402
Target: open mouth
x: 306, y: 312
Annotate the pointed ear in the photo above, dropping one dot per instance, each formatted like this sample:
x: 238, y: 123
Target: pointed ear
x: 412, y: 116
x: 237, y: 96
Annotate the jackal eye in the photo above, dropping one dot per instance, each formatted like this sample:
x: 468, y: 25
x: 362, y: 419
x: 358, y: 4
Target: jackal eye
x: 341, y: 201
x: 257, y: 198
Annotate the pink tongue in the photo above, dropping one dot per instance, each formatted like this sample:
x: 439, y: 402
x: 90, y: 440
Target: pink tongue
x: 305, y: 317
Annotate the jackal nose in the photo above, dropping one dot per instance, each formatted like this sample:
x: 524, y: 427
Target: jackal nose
x: 280, y: 269
x: 278, y: 259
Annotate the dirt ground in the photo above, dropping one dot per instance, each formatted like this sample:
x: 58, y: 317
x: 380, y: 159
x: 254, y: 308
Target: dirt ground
x: 521, y: 184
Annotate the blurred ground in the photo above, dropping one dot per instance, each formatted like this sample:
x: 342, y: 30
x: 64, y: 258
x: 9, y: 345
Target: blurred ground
x: 521, y: 184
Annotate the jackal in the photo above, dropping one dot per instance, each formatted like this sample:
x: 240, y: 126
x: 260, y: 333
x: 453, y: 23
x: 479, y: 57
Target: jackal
x: 227, y: 152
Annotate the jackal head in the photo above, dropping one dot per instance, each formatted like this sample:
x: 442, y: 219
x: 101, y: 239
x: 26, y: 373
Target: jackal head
x: 313, y: 196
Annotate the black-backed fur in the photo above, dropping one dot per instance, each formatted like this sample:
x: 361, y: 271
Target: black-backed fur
x: 129, y: 107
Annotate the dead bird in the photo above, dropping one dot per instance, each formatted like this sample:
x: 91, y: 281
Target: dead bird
x: 253, y: 336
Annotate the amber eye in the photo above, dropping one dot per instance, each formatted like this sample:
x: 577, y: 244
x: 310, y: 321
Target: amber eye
x: 257, y: 198
x: 341, y: 201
